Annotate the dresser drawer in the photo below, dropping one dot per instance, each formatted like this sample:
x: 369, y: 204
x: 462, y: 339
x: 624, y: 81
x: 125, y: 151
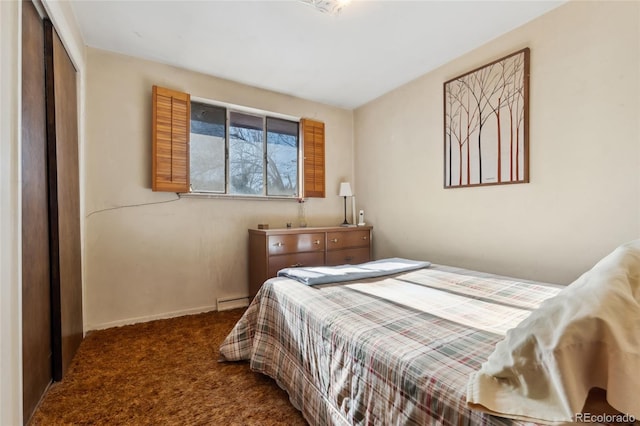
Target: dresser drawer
x: 342, y: 240
x: 294, y: 260
x: 348, y: 256
x: 295, y: 243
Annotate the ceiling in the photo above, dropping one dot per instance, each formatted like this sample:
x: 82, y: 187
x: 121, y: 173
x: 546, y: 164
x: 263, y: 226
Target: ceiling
x: 345, y: 60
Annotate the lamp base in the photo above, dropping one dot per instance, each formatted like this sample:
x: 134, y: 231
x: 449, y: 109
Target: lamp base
x: 348, y: 225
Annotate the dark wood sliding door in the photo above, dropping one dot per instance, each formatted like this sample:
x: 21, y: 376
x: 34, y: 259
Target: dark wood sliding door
x: 36, y: 294
x: 64, y: 201
x: 51, y: 257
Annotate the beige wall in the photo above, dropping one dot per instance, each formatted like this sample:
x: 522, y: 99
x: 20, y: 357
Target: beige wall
x: 584, y: 195
x: 162, y: 257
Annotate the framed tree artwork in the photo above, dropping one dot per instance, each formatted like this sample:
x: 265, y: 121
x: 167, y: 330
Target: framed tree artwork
x: 486, y: 124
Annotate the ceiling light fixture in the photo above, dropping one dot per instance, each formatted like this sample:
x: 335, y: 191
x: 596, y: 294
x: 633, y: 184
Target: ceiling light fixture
x: 331, y: 7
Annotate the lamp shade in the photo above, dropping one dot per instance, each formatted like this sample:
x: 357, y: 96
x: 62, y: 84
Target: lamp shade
x: 345, y: 190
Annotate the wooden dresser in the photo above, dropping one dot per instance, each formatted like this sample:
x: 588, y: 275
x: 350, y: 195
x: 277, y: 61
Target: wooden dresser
x: 273, y: 249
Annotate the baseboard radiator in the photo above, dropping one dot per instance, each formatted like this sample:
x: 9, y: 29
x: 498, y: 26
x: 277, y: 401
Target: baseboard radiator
x: 226, y: 303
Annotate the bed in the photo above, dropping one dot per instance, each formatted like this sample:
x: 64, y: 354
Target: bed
x: 393, y: 349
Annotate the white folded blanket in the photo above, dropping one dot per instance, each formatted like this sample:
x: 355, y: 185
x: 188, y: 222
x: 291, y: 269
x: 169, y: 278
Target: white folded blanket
x: 330, y: 274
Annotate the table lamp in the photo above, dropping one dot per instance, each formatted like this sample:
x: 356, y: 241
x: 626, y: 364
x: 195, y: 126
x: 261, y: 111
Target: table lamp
x: 345, y: 191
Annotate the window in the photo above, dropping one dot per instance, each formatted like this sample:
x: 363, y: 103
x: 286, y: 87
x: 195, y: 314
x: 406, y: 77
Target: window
x: 282, y: 156
x: 246, y: 154
x: 208, y: 147
x: 253, y: 155
x: 234, y: 151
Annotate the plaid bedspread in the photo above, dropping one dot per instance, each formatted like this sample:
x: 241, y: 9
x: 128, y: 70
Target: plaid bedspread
x: 387, y: 351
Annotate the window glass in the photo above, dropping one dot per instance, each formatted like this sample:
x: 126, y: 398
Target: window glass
x: 208, y: 136
x: 282, y: 157
x: 246, y: 154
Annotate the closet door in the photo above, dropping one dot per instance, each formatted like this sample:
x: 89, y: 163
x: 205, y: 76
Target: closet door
x: 36, y: 296
x: 64, y: 202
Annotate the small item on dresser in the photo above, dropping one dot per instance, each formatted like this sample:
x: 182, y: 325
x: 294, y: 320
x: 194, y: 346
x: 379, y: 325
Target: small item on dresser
x: 361, y: 218
x: 302, y: 213
x: 263, y: 226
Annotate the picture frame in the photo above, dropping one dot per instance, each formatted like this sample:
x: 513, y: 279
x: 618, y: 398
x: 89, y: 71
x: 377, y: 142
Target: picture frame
x: 486, y: 124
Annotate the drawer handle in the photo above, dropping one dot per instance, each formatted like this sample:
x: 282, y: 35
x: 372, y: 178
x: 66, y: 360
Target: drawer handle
x: 316, y: 242
x: 278, y: 244
x: 365, y: 238
x: 335, y: 240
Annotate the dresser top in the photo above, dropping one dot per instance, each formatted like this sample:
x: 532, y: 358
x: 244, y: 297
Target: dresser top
x: 310, y: 229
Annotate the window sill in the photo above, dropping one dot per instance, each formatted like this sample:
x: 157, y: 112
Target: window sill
x: 234, y: 197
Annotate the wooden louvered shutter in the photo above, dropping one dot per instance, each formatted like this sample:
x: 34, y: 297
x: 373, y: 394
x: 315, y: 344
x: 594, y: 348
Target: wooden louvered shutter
x: 171, y: 127
x: 313, y: 152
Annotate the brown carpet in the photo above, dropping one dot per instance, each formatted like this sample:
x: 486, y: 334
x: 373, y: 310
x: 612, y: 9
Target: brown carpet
x: 164, y: 372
